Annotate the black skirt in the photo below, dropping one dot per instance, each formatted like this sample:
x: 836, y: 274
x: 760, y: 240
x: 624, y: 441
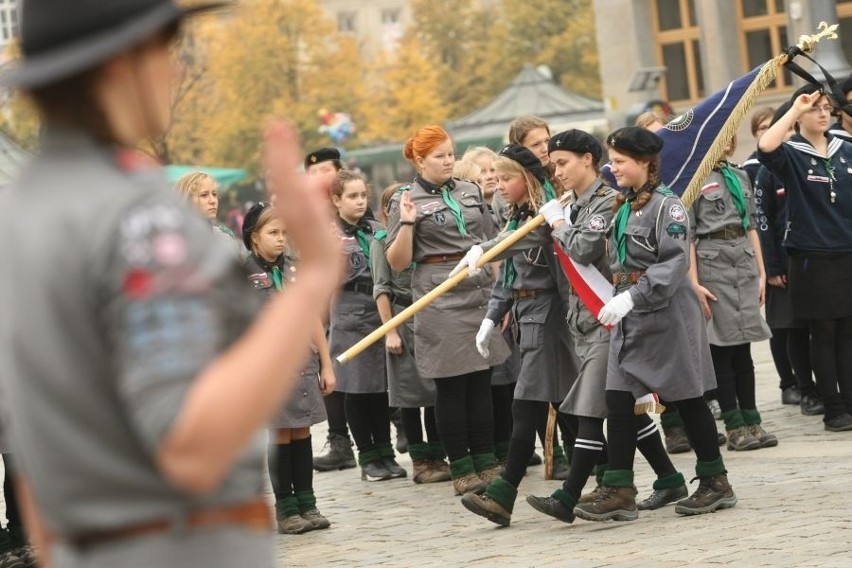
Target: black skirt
x: 821, y: 284
x: 779, y: 309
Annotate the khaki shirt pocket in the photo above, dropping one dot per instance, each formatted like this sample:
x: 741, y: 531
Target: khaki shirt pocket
x: 531, y: 331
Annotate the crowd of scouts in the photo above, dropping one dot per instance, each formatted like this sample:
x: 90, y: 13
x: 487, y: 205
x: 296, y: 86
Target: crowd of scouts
x: 164, y: 334
x: 474, y: 374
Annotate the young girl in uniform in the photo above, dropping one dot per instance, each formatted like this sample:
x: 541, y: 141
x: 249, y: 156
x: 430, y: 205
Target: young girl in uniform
x: 407, y: 390
x: 353, y: 316
x: 728, y: 276
x: 582, y: 235
x: 200, y: 191
x: 816, y: 169
x: 659, y: 340
x: 270, y: 267
x: 432, y: 224
x: 547, y: 368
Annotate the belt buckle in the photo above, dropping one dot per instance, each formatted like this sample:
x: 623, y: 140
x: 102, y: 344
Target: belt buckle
x: 623, y: 278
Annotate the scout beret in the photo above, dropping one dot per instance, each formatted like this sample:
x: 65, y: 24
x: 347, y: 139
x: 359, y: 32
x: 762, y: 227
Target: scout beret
x: 250, y: 221
x: 576, y: 141
x: 635, y: 140
x: 321, y: 155
x: 526, y: 158
x: 806, y: 89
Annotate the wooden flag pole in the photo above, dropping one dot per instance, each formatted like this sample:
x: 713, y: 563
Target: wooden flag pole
x: 444, y: 287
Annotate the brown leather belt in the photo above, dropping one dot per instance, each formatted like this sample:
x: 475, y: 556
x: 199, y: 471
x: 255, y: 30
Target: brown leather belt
x: 728, y: 233
x: 436, y: 258
x: 518, y: 294
x: 255, y: 515
x: 622, y: 278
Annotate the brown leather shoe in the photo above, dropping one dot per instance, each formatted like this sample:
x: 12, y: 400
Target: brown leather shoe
x: 491, y: 474
x: 593, y: 494
x: 485, y: 506
x: 430, y: 471
x: 713, y: 493
x: 612, y: 503
x: 766, y: 439
x: 740, y: 440
x: 470, y: 483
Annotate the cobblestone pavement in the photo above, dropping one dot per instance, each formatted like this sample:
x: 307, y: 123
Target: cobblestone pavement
x: 795, y: 509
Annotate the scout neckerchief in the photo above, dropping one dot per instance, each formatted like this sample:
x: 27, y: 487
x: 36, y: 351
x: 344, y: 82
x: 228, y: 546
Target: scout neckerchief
x: 618, y: 230
x: 446, y: 194
x: 549, y: 192
x: 273, y: 268
x: 276, y: 278
x: 736, y: 189
x: 509, y: 273
x: 360, y: 230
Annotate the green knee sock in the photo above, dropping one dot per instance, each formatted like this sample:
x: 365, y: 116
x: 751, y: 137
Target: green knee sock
x: 501, y: 450
x: 436, y: 449
x: 733, y: 419
x: 750, y: 416
x: 565, y: 498
x: 618, y: 478
x: 419, y: 451
x: 306, y: 500
x: 600, y: 470
x: 286, y: 506
x: 482, y: 462
x: 711, y: 468
x: 670, y: 481
x: 503, y: 493
x: 670, y: 419
x: 462, y: 467
x: 369, y: 456
x: 386, y: 451
x: 559, y: 455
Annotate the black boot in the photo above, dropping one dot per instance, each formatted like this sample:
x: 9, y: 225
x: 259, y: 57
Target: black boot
x: 401, y: 438
x: 338, y: 456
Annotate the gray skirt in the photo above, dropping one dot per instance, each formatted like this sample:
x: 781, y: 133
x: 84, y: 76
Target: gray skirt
x: 506, y: 373
x: 353, y: 317
x: 406, y: 388
x: 663, y: 351
x: 588, y: 395
x: 548, y: 365
x: 305, y: 406
x: 445, y: 330
x: 727, y: 268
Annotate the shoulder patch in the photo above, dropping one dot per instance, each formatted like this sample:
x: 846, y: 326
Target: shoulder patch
x: 403, y: 188
x: 676, y: 231
x: 597, y: 223
x: 380, y: 235
x: 677, y: 213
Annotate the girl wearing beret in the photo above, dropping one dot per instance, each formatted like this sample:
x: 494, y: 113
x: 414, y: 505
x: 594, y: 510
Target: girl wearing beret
x: 816, y: 169
x: 582, y: 234
x: 167, y: 367
x: 431, y: 224
x: 659, y: 339
x: 547, y: 369
x: 270, y: 267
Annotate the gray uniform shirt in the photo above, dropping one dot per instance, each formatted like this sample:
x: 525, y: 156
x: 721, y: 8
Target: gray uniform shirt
x: 714, y: 210
x: 119, y: 298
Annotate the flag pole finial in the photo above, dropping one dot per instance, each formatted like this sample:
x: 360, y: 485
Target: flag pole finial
x: 807, y: 43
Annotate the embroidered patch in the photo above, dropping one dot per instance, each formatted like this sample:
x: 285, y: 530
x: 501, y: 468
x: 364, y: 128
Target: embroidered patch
x: 819, y: 179
x: 677, y: 213
x: 676, y: 231
x: 430, y: 207
x: 780, y: 191
x: 597, y: 223
x: 681, y: 122
x: 719, y: 206
x: 440, y: 218
x: 709, y: 187
x: 260, y: 280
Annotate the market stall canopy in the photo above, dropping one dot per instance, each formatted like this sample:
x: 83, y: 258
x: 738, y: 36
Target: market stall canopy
x: 533, y: 91
x: 223, y: 176
x: 12, y: 158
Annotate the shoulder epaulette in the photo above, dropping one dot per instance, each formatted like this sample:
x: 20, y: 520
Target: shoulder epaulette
x: 403, y: 188
x: 380, y: 235
x: 663, y: 190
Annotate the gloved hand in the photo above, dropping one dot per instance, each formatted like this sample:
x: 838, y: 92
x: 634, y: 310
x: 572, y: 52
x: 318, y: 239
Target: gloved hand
x: 615, y: 309
x: 470, y: 259
x: 552, y: 211
x: 483, y: 337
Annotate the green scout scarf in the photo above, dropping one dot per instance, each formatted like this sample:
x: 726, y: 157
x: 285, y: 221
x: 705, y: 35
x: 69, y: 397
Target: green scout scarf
x: 363, y: 241
x: 618, y: 229
x: 509, y: 272
x: 549, y: 192
x: 276, y: 278
x: 455, y: 208
x: 736, y: 189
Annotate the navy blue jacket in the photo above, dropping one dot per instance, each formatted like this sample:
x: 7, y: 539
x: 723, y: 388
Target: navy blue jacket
x: 770, y: 197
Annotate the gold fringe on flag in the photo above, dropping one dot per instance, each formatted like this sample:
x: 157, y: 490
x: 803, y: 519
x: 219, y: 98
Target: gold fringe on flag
x: 765, y: 76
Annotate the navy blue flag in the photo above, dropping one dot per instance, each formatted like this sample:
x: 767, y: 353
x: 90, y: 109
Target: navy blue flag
x: 689, y: 136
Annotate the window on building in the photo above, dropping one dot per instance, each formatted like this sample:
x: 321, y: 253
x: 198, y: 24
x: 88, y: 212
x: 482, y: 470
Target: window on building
x: 390, y: 16
x: 677, y: 36
x: 346, y: 22
x: 763, y: 33
x: 844, y: 18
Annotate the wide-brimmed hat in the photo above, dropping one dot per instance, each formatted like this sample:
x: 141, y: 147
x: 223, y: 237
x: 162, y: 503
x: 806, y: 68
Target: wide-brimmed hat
x: 60, y: 38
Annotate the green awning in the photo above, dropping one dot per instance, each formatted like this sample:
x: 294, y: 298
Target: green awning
x: 223, y: 176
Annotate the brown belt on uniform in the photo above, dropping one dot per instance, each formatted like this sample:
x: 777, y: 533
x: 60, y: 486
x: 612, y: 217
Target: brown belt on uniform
x: 254, y: 515
x: 622, y: 278
x: 518, y: 294
x: 728, y: 233
x: 436, y: 258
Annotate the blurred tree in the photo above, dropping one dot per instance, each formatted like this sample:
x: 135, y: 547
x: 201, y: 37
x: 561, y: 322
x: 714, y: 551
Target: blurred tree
x: 18, y: 117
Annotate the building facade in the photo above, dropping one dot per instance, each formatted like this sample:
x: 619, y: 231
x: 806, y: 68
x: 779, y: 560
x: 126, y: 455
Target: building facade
x: 376, y: 24
x: 704, y: 44
x: 9, y: 18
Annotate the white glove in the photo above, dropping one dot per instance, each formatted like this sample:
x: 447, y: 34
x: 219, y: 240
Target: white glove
x: 615, y: 309
x: 483, y: 337
x: 552, y: 211
x: 469, y: 261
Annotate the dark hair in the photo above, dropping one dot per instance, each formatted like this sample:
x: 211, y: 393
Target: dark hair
x: 759, y: 116
x: 338, y: 184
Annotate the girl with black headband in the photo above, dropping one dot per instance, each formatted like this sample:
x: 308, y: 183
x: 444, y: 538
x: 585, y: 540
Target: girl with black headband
x: 659, y: 341
x: 547, y: 364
